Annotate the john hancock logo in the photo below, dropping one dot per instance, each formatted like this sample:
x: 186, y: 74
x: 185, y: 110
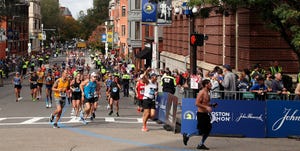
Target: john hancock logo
x: 189, y: 115
x: 149, y: 8
x: 289, y: 115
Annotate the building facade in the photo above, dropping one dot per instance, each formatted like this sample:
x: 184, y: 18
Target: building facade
x: 118, y: 14
x: 240, y: 40
x: 134, y: 39
x: 34, y: 25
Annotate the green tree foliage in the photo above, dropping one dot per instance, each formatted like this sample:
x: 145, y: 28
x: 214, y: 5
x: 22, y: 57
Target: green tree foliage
x: 282, y: 15
x: 51, y: 15
x: 70, y: 29
x: 94, y: 17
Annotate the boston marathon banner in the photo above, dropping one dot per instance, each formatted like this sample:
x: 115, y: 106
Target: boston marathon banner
x: 283, y: 118
x: 149, y: 12
x: 230, y: 117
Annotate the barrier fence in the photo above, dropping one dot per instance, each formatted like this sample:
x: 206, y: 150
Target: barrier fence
x: 247, y: 118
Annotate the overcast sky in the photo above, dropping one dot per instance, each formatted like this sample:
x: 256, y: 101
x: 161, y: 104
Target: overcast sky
x: 76, y: 5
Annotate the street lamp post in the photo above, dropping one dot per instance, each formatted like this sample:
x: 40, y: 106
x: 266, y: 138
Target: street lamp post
x: 106, y: 44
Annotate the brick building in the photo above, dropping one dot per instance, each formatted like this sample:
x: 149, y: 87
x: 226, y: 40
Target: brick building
x: 241, y: 40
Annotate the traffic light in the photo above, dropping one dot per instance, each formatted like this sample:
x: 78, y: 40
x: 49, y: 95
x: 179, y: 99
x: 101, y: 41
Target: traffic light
x: 197, y: 39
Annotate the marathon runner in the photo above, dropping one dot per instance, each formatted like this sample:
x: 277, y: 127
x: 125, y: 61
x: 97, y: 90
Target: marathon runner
x: 33, y: 85
x: 17, y: 81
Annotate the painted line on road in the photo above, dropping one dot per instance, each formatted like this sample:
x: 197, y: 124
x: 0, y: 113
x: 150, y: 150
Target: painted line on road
x: 33, y: 120
x: 65, y: 120
x: 109, y: 119
x: 1, y: 119
x: 118, y: 140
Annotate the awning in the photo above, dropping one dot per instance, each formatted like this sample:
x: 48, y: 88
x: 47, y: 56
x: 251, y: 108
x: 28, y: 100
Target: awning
x: 146, y: 53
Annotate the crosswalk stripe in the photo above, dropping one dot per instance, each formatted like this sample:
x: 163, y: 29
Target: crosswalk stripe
x: 109, y: 119
x: 73, y: 120
x: 1, y: 119
x: 140, y: 120
x: 30, y: 121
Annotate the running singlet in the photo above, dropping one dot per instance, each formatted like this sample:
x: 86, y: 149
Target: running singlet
x: 17, y: 81
x: 90, y: 89
x: 40, y: 75
x: 114, y: 89
x: 76, y: 87
x: 49, y: 80
x: 150, y: 90
x: 34, y: 80
x: 108, y: 83
x: 140, y: 90
x: 61, y: 84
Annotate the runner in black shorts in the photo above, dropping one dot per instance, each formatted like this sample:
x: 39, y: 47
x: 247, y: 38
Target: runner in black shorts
x: 33, y: 85
x: 17, y: 81
x: 203, y: 115
x: 114, y: 95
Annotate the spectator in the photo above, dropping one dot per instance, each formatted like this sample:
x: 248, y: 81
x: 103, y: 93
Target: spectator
x: 215, y: 86
x: 278, y: 87
x: 297, y: 92
x: 259, y: 88
x: 229, y: 82
x: 275, y: 68
x: 268, y: 81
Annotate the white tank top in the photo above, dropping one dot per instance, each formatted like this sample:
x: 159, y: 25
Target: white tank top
x: 150, y: 89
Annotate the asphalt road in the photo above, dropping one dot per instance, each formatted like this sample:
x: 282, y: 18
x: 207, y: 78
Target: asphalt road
x: 24, y: 126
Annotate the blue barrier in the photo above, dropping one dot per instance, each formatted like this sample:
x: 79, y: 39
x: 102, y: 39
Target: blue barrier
x: 166, y: 109
x: 246, y: 118
x: 283, y: 118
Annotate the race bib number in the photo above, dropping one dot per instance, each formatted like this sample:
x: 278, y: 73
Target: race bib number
x: 114, y: 89
x: 77, y: 90
x: 152, y: 91
x: 63, y: 94
x: 142, y: 91
x: 34, y: 82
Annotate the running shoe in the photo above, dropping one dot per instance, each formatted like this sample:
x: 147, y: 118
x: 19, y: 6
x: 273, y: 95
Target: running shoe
x: 47, y: 106
x: 50, y: 105
x: 145, y: 129
x: 51, y: 118
x: 20, y: 98
x: 203, y: 147
x: 55, y: 125
x: 91, y: 118
x: 93, y: 115
x: 73, y: 112
x: 185, y: 138
x: 117, y: 114
x: 108, y: 107
x: 111, y: 112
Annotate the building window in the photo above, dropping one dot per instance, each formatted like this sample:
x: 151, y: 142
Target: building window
x: 137, y: 4
x: 123, y: 30
x: 35, y: 24
x: 123, y: 11
x: 146, y: 31
x: 137, y: 30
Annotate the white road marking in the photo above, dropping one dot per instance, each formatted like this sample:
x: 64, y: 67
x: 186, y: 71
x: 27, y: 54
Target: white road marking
x: 32, y: 120
x: 1, y: 119
x: 140, y: 120
x: 67, y: 120
x: 109, y: 119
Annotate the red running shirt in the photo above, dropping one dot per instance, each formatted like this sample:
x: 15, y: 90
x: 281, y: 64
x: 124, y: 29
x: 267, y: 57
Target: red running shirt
x: 140, y: 87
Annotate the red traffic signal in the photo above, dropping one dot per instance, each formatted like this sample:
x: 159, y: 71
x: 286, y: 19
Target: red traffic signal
x: 197, y: 39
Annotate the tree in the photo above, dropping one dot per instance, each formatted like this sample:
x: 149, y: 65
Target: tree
x: 94, y: 17
x: 51, y: 15
x: 281, y: 15
x: 70, y: 29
